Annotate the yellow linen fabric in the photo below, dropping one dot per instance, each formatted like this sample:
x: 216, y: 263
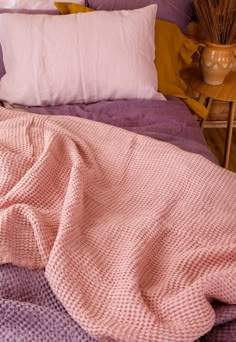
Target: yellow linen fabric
x: 173, y: 52
x: 69, y: 8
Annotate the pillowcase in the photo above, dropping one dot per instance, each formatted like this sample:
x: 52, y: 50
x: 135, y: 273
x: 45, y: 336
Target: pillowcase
x: 53, y: 60
x: 31, y: 4
x: 176, y: 11
x: 25, y: 11
x: 172, y: 53
x: 2, y: 68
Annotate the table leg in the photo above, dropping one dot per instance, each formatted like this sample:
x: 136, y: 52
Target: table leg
x: 202, y: 99
x: 229, y: 133
x: 210, y: 100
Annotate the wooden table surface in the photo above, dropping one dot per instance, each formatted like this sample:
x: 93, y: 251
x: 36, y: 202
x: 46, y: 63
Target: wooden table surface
x: 223, y: 92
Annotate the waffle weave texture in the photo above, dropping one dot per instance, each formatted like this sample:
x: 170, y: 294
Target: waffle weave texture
x: 29, y: 311
x: 137, y: 236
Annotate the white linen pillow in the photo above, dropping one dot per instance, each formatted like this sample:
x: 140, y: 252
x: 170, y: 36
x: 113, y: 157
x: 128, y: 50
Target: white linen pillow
x: 85, y: 57
x: 33, y: 4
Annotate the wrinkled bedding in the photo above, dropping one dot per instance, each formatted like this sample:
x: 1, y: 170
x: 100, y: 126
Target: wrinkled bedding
x: 30, y: 312
x: 73, y: 187
x: 169, y: 121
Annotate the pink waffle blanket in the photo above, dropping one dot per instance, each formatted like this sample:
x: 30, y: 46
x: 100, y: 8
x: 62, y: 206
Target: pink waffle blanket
x: 137, y: 236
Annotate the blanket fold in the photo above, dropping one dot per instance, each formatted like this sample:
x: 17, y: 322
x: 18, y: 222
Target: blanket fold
x: 136, y: 235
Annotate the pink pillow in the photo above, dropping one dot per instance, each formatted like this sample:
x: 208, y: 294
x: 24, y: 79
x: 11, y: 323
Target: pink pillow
x: 28, y: 6
x: 33, y: 4
x: 88, y: 57
x: 25, y: 11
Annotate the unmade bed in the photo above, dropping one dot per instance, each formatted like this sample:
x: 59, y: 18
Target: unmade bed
x: 109, y: 218
x: 116, y: 221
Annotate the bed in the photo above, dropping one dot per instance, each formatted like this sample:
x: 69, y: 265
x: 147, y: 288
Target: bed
x: 117, y: 223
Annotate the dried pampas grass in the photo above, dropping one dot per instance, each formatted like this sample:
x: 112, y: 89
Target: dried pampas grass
x: 217, y: 19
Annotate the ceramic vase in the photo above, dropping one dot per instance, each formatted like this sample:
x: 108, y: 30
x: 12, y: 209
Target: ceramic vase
x: 216, y: 62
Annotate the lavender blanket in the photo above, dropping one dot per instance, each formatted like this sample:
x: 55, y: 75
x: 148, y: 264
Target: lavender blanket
x: 29, y: 312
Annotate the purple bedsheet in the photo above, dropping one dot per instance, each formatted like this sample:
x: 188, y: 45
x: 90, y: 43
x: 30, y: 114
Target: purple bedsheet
x: 169, y: 121
x: 29, y: 312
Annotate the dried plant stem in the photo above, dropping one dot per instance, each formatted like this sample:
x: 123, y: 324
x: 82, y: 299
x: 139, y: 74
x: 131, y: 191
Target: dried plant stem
x: 217, y: 19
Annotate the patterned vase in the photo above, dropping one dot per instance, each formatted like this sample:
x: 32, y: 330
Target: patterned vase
x: 216, y: 62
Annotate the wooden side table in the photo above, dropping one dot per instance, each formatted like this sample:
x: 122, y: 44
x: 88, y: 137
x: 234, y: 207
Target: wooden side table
x: 225, y: 92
